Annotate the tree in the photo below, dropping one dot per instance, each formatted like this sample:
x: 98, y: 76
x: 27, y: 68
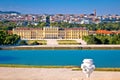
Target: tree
x: 9, y: 40
x: 6, y: 39
x: 23, y: 42
x: 102, y: 39
x: 2, y: 37
x: 41, y: 24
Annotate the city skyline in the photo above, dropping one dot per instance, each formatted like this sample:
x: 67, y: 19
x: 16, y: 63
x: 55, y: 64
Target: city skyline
x: 61, y: 6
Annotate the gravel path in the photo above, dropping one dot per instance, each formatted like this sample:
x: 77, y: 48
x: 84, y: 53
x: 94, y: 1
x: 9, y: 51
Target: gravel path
x: 53, y: 74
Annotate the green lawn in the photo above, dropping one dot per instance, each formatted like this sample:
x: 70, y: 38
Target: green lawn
x: 31, y: 66
x: 99, y: 69
x: 68, y: 42
x: 73, y: 68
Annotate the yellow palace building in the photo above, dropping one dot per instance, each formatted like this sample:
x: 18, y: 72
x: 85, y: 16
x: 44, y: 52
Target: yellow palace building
x: 50, y: 33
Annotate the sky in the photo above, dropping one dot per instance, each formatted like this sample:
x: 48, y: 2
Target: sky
x: 103, y: 7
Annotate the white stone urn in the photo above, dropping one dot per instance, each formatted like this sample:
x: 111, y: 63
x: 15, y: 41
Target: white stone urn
x: 87, y: 67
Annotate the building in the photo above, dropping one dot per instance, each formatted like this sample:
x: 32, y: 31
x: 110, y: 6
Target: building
x: 75, y: 33
x: 50, y: 33
x: 105, y: 32
x: 29, y: 33
x: 48, y: 21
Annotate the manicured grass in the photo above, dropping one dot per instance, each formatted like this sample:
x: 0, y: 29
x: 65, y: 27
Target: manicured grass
x: 68, y: 42
x: 41, y: 42
x: 31, y: 66
x: 107, y: 69
x: 73, y: 68
x: 100, y: 69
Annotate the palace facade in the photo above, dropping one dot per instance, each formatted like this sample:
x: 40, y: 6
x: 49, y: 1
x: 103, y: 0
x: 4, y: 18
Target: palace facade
x: 50, y: 33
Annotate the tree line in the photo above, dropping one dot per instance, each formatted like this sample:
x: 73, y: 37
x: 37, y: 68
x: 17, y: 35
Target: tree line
x: 102, y: 39
x: 9, y: 25
x: 94, y: 27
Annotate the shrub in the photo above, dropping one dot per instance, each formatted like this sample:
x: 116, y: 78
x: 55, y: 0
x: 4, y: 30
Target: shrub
x: 23, y: 42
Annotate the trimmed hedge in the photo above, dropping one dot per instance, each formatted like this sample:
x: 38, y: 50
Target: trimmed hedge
x: 40, y: 42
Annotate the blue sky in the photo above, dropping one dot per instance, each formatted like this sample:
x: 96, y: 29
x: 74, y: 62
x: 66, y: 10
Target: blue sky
x: 62, y: 6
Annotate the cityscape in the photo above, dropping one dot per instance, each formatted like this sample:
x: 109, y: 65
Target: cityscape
x: 61, y: 26
x: 26, y: 19
x: 59, y: 39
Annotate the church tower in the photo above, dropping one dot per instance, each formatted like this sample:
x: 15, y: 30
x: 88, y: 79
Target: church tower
x: 95, y: 13
x: 48, y: 21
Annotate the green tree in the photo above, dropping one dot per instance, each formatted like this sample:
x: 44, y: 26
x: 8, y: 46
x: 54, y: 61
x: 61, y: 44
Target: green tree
x: 2, y: 37
x: 102, y: 39
x: 23, y: 42
x: 6, y: 39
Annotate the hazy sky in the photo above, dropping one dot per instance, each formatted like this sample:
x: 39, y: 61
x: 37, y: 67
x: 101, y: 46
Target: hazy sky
x: 62, y: 6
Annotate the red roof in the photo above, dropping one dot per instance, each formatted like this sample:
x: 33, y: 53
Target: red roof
x: 25, y: 28
x: 103, y: 32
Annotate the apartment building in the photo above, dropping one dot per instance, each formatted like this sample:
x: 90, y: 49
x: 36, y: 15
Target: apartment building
x: 50, y: 33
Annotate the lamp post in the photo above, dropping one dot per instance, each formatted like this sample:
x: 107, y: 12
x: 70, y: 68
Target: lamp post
x: 87, y: 67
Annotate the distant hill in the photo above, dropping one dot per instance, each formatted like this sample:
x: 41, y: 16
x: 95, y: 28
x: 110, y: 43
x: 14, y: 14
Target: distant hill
x: 9, y: 12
